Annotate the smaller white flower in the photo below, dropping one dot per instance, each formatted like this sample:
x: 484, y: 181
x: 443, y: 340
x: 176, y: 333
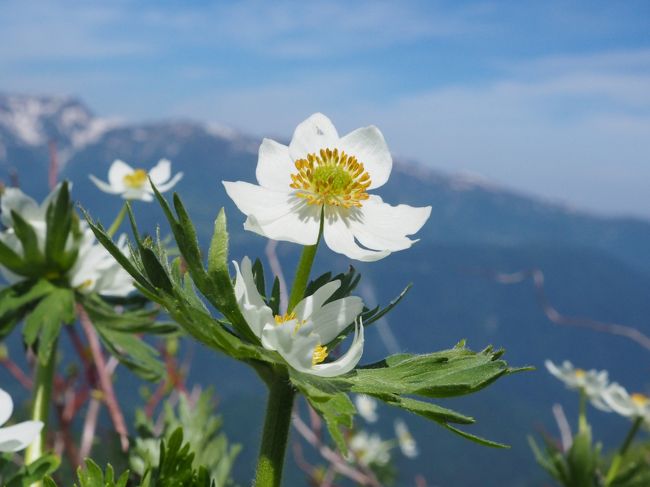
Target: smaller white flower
x: 631, y: 406
x: 133, y: 184
x: 593, y: 382
x: 301, y: 337
x: 18, y: 436
x: 366, y: 407
x: 406, y: 442
x: 369, y: 449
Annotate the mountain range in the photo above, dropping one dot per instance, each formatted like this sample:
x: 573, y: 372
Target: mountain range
x: 593, y: 266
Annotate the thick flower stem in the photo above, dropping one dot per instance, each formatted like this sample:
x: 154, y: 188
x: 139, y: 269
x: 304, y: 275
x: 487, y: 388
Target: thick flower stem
x: 618, y: 458
x: 303, y: 270
x: 582, y: 414
x: 275, y: 434
x: 117, y: 222
x: 42, y: 394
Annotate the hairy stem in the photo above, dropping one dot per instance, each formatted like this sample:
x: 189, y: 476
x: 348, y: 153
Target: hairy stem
x: 275, y: 434
x: 303, y: 270
x: 41, y: 400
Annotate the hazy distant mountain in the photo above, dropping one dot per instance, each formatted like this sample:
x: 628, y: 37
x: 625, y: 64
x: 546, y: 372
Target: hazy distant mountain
x: 594, y: 266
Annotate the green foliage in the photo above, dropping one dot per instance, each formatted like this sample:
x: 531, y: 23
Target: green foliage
x: 201, y: 429
x: 93, y: 476
x: 26, y: 475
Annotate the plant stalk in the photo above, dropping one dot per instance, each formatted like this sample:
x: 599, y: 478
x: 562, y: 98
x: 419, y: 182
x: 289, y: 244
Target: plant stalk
x: 42, y: 398
x: 618, y: 458
x: 582, y: 414
x: 117, y: 222
x: 275, y: 434
x: 303, y: 270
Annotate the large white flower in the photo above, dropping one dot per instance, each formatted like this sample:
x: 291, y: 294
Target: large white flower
x: 631, y: 406
x: 133, y: 184
x: 320, y: 173
x: 94, y: 270
x: 301, y: 337
x: 369, y: 449
x: 594, y: 383
x: 19, y: 436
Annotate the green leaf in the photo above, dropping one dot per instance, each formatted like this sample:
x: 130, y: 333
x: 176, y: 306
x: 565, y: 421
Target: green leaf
x: 218, y: 252
x: 376, y: 314
x: 11, y: 260
x: 59, y: 223
x: 28, y: 239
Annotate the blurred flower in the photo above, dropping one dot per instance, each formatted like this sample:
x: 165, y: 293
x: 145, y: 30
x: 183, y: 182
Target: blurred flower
x: 369, y: 449
x: 592, y: 382
x: 366, y: 407
x: 19, y: 436
x: 631, y: 406
x: 322, y: 174
x: 133, y: 184
x: 94, y: 269
x: 301, y: 336
x: 406, y: 442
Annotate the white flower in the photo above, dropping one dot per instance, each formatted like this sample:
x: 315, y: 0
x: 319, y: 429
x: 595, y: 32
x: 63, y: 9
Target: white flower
x: 629, y: 405
x: 320, y: 173
x: 95, y: 269
x: 19, y: 436
x: 366, y: 407
x: 133, y: 184
x: 301, y: 337
x: 369, y: 449
x: 592, y: 382
x: 406, y: 442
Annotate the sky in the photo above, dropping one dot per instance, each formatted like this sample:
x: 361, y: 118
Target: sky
x: 550, y: 98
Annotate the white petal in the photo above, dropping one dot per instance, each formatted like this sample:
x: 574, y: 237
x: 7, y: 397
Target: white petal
x: 380, y: 226
x: 137, y: 194
x: 161, y: 172
x: 367, y: 144
x: 116, y: 174
x: 19, y: 436
x: 305, y: 308
x: 296, y: 349
x: 345, y: 363
x: 339, y: 238
x: 330, y: 320
x: 251, y: 304
x: 274, y: 166
x: 6, y: 406
x: 312, y: 135
x: 14, y: 199
x: 169, y: 184
x: 274, y: 214
x: 105, y: 187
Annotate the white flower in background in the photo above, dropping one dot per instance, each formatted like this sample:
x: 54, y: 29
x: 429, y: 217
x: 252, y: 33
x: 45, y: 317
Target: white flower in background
x: 301, y: 337
x: 593, y: 382
x: 366, y: 407
x: 406, y: 442
x: 18, y: 436
x: 369, y: 449
x: 133, y: 184
x: 95, y: 269
x: 320, y: 173
x: 631, y: 406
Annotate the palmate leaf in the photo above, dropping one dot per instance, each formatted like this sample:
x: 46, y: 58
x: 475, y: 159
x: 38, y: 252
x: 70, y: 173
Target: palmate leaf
x: 454, y: 372
x: 17, y: 300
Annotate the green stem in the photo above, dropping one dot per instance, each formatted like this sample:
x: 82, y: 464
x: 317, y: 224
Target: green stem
x: 582, y: 414
x: 276, y: 433
x: 117, y: 222
x: 303, y: 270
x: 618, y: 458
x: 41, y: 401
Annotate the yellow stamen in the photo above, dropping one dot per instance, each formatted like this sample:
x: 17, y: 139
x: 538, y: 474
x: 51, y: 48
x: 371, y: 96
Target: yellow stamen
x: 580, y: 373
x: 86, y: 284
x: 279, y: 319
x: 319, y: 355
x: 136, y: 179
x: 331, y: 178
x: 640, y: 399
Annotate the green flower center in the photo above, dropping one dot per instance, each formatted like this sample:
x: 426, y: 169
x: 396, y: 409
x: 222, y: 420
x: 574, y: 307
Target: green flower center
x: 331, y: 178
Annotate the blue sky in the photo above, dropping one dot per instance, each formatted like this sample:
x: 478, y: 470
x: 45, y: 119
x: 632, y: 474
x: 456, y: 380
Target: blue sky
x: 546, y: 97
